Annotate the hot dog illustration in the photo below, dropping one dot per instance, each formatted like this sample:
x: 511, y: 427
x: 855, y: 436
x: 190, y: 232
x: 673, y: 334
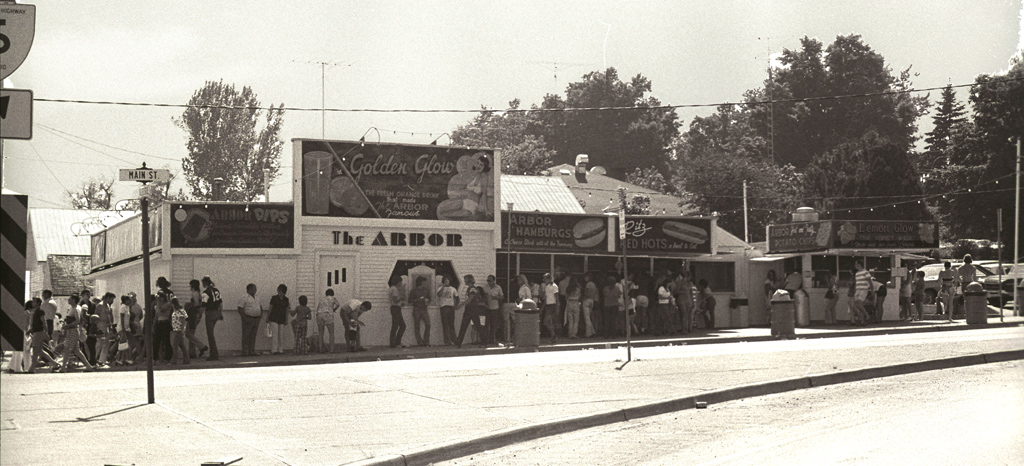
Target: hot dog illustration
x: 685, y: 232
x: 589, y: 232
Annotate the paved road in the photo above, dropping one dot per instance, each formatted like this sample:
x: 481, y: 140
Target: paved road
x: 964, y: 416
x: 341, y: 413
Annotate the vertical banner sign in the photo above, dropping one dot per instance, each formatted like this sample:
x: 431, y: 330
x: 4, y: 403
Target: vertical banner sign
x: 17, y: 30
x: 13, y: 247
x: 352, y: 179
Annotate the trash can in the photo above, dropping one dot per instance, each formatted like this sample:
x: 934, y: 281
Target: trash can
x: 782, y: 316
x: 739, y: 313
x: 801, y: 304
x: 976, y: 304
x: 527, y: 324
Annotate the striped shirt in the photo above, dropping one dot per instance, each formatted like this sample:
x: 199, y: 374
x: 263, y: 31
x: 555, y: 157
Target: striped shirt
x: 863, y: 278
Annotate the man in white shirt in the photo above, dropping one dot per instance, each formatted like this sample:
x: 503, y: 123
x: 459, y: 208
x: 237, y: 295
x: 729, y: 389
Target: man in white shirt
x: 350, y: 312
x: 251, y: 312
x: 50, y: 310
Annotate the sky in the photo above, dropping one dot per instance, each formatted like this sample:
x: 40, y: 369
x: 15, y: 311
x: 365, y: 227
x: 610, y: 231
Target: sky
x: 429, y: 55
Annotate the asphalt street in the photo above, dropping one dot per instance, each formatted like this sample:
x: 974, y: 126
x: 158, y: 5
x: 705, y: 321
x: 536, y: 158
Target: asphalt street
x: 967, y: 416
x: 343, y: 413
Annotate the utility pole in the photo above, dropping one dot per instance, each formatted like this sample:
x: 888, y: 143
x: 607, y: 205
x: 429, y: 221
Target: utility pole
x: 746, y: 226
x: 1016, y: 239
x: 625, y: 271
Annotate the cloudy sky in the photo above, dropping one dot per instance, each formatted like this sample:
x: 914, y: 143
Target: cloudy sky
x: 429, y: 55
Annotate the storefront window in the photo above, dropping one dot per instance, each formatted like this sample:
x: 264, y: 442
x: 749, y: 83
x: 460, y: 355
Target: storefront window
x: 721, y: 276
x: 822, y: 266
x: 568, y: 264
x: 505, y: 272
x: 604, y: 265
x: 534, y: 266
x: 667, y: 266
x: 881, y: 268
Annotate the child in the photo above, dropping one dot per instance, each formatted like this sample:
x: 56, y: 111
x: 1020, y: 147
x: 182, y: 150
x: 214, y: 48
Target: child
x: 905, y: 300
x: 179, y: 322
x: 301, y: 315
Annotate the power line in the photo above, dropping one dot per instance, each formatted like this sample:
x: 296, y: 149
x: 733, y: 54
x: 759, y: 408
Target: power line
x: 564, y: 109
x: 108, y: 145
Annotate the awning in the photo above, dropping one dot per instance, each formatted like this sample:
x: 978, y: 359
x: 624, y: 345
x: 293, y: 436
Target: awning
x: 775, y: 257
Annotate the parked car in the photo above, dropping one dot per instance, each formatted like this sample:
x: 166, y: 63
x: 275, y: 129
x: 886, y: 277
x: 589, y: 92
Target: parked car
x: 1003, y: 291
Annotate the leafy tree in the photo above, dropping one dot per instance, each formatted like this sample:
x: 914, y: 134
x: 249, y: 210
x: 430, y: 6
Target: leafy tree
x: 159, y: 192
x: 649, y: 178
x: 639, y: 204
x: 716, y: 155
x: 224, y: 141
x: 980, y: 152
x: 521, y: 153
x: 93, y: 194
x: 806, y: 129
x: 870, y: 178
x: 948, y: 114
x: 619, y: 140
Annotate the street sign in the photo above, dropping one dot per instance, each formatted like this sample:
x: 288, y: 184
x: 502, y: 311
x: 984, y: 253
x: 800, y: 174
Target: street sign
x: 17, y: 29
x: 15, y: 114
x: 144, y: 175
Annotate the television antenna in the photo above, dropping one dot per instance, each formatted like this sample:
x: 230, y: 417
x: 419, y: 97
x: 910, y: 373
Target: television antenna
x: 556, y: 66
x: 323, y: 99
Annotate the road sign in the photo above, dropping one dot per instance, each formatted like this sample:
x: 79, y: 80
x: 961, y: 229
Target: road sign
x: 15, y: 114
x: 144, y: 175
x: 17, y: 29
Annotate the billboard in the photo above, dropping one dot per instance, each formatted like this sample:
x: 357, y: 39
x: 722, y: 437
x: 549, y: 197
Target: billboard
x: 802, y: 236
x: 548, y: 232
x: 415, y: 182
x: 853, y: 234
x: 233, y: 226
x: 667, y: 235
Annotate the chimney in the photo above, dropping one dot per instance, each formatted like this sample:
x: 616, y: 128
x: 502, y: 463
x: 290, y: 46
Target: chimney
x: 582, y: 160
x: 218, y: 189
x: 805, y: 214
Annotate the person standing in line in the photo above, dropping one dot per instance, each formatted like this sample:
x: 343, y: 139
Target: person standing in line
x: 300, y: 319
x: 494, y: 295
x: 918, y: 291
x: 770, y: 285
x: 946, y: 284
x: 590, y: 295
x: 446, y: 295
x: 419, y: 298
x: 562, y: 278
x: 572, y: 307
x: 468, y: 286
x: 162, y: 348
x: 396, y: 298
x: 278, y: 318
x: 351, y: 311
x: 794, y: 281
x: 474, y: 304
x: 325, y: 309
x: 707, y: 304
x: 524, y: 289
x: 549, y: 293
x: 965, y: 275
x: 194, y: 309
x: 88, y: 327
x: 50, y: 311
x: 831, y: 298
x: 612, y: 295
x: 104, y: 328
x: 72, y: 321
x: 862, y: 285
x: 138, y: 328
x: 905, y: 295
x: 684, y: 300
x: 179, y: 323
x: 125, y: 331
x: 214, y: 313
x: 37, y: 331
x: 882, y: 290
x: 251, y: 313
x: 665, y: 307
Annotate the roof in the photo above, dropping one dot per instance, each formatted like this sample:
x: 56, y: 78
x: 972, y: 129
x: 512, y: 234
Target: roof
x: 66, y: 273
x: 599, y: 191
x: 65, y: 231
x: 538, y: 193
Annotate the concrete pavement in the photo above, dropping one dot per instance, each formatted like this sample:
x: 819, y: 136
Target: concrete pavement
x: 421, y: 407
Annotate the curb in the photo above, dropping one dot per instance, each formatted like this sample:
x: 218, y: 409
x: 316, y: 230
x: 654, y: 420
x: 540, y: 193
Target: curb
x: 511, y: 436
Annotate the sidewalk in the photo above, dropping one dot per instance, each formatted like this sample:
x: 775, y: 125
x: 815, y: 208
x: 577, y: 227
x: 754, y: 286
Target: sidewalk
x: 931, y: 323
x: 432, y: 408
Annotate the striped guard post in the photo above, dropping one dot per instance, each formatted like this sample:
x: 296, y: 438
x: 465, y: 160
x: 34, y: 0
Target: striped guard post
x: 13, y: 246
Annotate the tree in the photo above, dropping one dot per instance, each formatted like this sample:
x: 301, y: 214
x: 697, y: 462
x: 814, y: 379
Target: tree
x: 948, y: 115
x: 94, y: 194
x: 640, y: 134
x: 714, y: 158
x: 521, y: 153
x: 981, y: 152
x: 870, y: 178
x: 224, y: 141
x: 159, y: 192
x: 649, y: 178
x: 815, y: 124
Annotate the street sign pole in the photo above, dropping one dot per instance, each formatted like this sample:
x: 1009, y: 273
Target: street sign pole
x: 625, y: 272
x: 150, y: 315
